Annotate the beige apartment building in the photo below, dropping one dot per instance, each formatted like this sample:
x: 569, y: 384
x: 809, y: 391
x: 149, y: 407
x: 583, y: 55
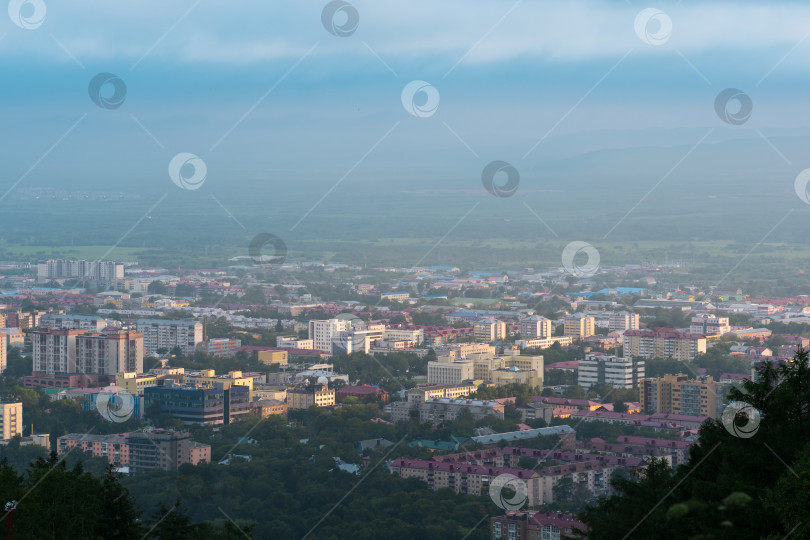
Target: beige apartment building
x: 677, y: 394
x: 11, y: 419
x: 109, y: 353
x: 488, y: 330
x: 579, y: 327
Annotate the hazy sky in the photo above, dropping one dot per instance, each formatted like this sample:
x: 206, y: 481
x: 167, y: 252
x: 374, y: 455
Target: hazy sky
x: 261, y: 89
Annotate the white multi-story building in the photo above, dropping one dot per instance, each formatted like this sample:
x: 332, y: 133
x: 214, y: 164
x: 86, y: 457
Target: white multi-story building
x: 622, y: 320
x: 535, y: 327
x: 352, y: 341
x: 55, y: 350
x: 709, y: 325
x: 54, y: 321
x: 168, y: 334
x: 321, y: 332
x: 106, y: 271
x: 610, y: 370
x: 293, y: 342
x: 451, y: 373
x: 394, y: 334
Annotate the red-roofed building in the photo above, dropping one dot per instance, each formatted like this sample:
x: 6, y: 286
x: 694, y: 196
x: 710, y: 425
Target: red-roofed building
x: 531, y: 525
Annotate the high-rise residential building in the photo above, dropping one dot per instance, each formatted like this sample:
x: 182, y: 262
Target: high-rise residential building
x: 610, y: 370
x: 55, y: 321
x: 677, y: 394
x: 489, y: 330
x: 440, y: 410
x: 321, y: 332
x: 104, y: 271
x: 11, y: 419
x: 536, y: 327
x: 663, y: 344
x: 168, y: 334
x: 578, y: 326
x: 54, y: 351
x: 3, y: 351
x: 622, y: 320
x: 24, y: 320
x: 310, y: 395
x: 109, y: 353
x: 709, y: 325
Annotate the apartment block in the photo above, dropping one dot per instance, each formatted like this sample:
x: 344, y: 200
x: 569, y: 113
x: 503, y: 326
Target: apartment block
x: 109, y: 353
x: 677, y: 394
x: 535, y: 327
x: 663, y: 344
x: 11, y: 419
x: 140, y: 450
x: 462, y: 478
x: 105, y: 271
x: 55, y: 321
x: 579, y: 327
x: 439, y: 410
x: 168, y: 334
x: 622, y: 320
x: 709, y: 325
x: 610, y: 370
x: 489, y: 330
x: 311, y: 395
x: 536, y: 525
x: 153, y: 449
x: 220, y: 347
x: 3, y: 352
x: 54, y: 351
